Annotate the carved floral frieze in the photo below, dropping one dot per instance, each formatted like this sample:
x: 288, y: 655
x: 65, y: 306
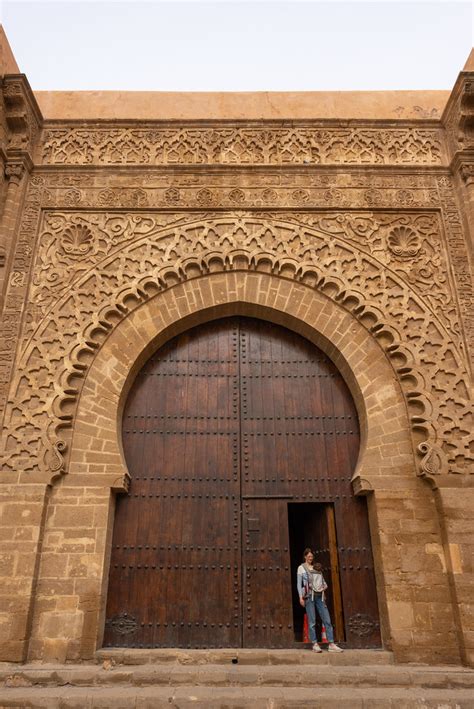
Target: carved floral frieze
x: 249, y: 145
x: 408, y: 245
x: 222, y: 192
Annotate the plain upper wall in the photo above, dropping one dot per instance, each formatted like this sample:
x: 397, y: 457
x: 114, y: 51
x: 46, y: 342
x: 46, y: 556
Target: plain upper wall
x: 8, y: 63
x: 155, y: 105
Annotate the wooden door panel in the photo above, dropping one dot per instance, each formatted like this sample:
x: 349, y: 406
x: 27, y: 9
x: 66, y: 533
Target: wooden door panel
x: 300, y: 464
x: 300, y: 438
x: 175, y: 576
x: 224, y: 426
x: 267, y: 616
x: 357, y: 573
x: 178, y: 459
x: 322, y: 536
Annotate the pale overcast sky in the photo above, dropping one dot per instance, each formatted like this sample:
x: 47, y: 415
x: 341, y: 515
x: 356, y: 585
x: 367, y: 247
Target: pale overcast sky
x: 251, y: 45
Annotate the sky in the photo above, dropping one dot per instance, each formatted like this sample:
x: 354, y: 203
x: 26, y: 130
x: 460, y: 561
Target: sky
x: 246, y: 45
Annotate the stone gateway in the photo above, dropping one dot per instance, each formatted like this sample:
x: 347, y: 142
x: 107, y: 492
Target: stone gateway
x: 232, y: 328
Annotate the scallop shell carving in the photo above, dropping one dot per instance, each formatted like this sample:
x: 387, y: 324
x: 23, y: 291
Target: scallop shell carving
x: 404, y: 242
x: 77, y: 240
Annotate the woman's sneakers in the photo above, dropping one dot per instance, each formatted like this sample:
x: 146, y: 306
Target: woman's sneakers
x: 332, y: 648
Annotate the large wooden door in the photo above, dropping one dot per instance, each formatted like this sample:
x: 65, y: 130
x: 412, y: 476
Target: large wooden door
x: 224, y: 428
x: 176, y: 556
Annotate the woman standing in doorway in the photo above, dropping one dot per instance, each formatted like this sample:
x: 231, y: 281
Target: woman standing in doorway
x: 311, y: 587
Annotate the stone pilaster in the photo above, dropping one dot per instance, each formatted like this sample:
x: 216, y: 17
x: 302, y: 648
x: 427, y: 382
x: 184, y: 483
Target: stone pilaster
x: 73, y: 573
x: 455, y: 507
x: 22, y: 510
x: 21, y: 507
x: 21, y: 124
x: 415, y: 605
x: 20, y: 121
x: 16, y: 173
x: 458, y: 120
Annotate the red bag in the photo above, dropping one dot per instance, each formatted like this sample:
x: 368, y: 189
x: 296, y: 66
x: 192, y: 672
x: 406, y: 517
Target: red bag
x: 305, y: 629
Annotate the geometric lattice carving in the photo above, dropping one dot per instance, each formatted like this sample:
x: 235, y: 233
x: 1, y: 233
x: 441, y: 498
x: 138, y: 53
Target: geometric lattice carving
x: 210, y: 144
x: 133, y: 257
x: 97, y: 236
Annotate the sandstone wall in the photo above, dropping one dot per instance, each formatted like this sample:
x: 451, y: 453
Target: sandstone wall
x: 117, y: 235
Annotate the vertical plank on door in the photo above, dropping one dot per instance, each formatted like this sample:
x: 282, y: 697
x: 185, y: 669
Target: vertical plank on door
x: 338, y: 616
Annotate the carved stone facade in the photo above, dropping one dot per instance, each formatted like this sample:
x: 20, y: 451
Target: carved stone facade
x: 116, y: 237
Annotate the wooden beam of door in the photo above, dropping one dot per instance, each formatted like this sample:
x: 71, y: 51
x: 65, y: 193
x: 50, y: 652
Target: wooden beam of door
x: 338, y: 620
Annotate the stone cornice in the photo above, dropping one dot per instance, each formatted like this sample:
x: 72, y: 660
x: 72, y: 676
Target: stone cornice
x: 23, y: 116
x: 463, y: 163
x: 458, y: 116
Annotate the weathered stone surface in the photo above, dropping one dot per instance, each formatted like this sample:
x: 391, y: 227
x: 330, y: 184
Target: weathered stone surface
x: 235, y: 697
x: 323, y: 672
x: 114, y: 234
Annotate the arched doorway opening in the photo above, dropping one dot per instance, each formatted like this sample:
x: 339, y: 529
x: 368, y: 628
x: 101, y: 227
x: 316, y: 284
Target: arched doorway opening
x: 241, y: 439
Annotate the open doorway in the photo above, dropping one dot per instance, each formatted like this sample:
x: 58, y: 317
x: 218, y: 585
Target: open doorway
x: 313, y: 525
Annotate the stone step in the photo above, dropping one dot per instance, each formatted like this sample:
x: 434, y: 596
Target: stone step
x: 128, y: 656
x: 234, y: 698
x: 243, y: 676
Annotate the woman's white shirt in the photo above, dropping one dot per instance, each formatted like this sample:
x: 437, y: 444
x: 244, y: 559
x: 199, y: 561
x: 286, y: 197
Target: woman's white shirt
x: 317, y: 580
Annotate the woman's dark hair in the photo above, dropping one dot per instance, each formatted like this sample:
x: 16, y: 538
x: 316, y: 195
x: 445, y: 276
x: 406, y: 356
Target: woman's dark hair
x: 306, y: 552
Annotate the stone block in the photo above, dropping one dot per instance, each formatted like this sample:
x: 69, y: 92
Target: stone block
x: 12, y: 650
x: 55, y: 587
x: 73, y: 516
x: 7, y: 564
x: 423, y: 616
x: 22, y: 513
x: 54, y: 649
x: 84, y: 565
x: 53, y: 566
x: 54, y: 625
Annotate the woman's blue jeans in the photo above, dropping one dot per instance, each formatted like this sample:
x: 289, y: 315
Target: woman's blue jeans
x: 318, y: 605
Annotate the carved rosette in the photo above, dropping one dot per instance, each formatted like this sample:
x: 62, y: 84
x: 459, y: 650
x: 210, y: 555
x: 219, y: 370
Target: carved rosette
x: 172, y: 196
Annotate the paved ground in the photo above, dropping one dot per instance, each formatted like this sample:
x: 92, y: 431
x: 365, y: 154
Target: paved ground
x: 235, y: 698
x: 141, y: 679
